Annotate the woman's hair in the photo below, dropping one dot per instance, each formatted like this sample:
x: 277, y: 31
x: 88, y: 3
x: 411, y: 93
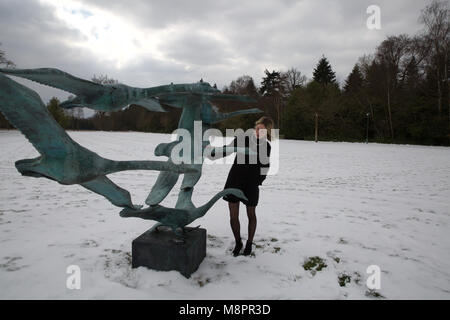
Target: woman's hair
x: 268, y: 123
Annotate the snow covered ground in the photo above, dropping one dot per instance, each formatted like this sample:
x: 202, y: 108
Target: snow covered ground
x: 353, y: 205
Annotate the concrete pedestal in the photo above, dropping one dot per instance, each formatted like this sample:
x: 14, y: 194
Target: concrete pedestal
x: 157, y: 250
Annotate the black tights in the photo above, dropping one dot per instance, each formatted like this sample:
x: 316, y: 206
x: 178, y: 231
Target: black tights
x: 234, y: 221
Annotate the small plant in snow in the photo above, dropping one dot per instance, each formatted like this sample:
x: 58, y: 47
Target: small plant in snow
x: 314, y: 264
x: 343, y: 279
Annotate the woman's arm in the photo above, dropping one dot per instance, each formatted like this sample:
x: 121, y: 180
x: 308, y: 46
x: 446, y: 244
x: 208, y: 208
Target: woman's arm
x: 221, y: 152
x: 238, y: 145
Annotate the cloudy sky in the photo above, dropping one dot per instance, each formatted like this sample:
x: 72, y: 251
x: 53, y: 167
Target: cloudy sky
x: 151, y: 42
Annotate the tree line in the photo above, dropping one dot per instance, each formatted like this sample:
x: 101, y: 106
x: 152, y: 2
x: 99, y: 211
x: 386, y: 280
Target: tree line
x: 398, y: 94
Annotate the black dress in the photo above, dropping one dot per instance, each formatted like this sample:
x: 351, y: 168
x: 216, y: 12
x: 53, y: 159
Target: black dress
x: 248, y: 176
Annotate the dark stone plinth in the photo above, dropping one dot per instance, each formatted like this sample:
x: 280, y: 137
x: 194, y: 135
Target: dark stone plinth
x: 158, y: 250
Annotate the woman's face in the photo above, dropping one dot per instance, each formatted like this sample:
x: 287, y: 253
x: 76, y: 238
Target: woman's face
x: 260, y: 133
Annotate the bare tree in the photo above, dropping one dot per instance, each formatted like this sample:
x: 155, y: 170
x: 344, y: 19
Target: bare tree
x: 391, y: 55
x: 5, y: 61
x: 436, y: 19
x: 103, y: 79
x: 239, y: 85
x: 293, y: 79
x: 79, y: 113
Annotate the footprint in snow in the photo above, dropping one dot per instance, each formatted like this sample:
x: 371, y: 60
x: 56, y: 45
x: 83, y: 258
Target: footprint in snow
x: 89, y: 243
x: 11, y: 264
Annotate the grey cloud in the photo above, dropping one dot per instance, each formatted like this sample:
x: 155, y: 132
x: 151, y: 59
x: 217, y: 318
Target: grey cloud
x: 193, y: 47
x: 253, y: 35
x: 161, y: 13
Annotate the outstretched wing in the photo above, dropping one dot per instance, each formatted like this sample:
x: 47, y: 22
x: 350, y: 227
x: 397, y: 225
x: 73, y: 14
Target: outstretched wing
x: 157, y: 213
x: 231, y: 97
x: 201, y: 211
x: 179, y: 99
x: 164, y: 183
x: 25, y: 110
x: 57, y: 79
x: 184, y: 214
x: 151, y: 104
x: 115, y: 194
x: 211, y: 113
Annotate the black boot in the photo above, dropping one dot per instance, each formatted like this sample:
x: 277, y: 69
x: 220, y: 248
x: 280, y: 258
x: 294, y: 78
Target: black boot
x: 248, y: 249
x: 237, y: 248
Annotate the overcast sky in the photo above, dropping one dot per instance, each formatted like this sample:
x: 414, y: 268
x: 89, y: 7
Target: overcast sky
x: 151, y: 42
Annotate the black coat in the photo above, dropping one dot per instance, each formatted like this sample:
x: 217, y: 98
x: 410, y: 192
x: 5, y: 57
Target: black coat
x: 249, y: 174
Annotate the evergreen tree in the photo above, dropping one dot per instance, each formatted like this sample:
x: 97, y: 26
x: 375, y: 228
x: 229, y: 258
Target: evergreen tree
x: 58, y: 113
x: 273, y: 87
x: 272, y: 83
x: 354, y: 81
x: 323, y: 73
x: 301, y: 109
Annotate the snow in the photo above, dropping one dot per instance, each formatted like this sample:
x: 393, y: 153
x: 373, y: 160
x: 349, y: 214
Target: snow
x: 351, y: 204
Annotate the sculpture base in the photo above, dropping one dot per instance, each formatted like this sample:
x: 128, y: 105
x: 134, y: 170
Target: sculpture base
x: 158, y: 250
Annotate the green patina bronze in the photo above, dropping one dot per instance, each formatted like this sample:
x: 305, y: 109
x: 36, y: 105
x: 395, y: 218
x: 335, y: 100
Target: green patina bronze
x: 65, y: 161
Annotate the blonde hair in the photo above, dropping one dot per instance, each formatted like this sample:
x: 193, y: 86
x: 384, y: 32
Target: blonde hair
x: 268, y: 123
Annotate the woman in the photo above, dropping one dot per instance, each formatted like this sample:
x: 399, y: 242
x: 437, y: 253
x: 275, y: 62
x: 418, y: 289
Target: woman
x: 248, y: 176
